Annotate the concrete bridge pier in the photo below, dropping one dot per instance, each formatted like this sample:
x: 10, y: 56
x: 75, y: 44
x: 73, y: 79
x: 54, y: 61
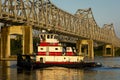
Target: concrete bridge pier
x: 27, y: 42
x: 83, y: 50
x: 108, y: 50
x: 5, y: 42
x: 0, y: 50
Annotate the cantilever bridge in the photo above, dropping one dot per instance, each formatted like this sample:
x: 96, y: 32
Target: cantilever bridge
x: 42, y: 14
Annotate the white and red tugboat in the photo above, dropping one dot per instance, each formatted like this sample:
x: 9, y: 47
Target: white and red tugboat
x: 52, y: 53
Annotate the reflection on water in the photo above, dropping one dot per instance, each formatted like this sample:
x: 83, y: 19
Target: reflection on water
x: 59, y: 74
x: 6, y: 71
x: 109, y: 71
x: 52, y: 73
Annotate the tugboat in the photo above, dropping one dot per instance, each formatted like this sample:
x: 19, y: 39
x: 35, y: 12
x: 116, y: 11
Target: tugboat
x: 52, y: 53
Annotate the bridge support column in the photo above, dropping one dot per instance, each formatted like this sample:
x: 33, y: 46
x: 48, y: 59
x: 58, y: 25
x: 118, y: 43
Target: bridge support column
x: 5, y: 42
x: 85, y: 47
x: 90, y: 49
x: 27, y: 40
x: 108, y: 50
x: 0, y: 50
x: 26, y: 31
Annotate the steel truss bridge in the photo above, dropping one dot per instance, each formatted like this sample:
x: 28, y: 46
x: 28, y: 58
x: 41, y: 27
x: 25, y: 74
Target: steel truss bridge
x: 42, y: 14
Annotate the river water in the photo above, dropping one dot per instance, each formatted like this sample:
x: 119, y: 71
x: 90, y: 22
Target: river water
x: 109, y: 71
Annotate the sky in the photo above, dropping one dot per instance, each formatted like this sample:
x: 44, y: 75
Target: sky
x: 104, y: 11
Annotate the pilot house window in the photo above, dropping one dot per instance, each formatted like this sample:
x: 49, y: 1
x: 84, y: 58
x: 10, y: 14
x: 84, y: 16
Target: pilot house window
x: 41, y: 48
x: 48, y: 36
x: 56, y: 48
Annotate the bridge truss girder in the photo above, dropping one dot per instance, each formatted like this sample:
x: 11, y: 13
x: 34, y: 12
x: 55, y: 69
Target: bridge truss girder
x: 45, y: 15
